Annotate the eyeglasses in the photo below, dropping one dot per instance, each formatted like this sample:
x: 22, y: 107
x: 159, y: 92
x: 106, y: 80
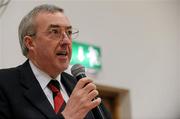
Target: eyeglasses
x: 56, y: 33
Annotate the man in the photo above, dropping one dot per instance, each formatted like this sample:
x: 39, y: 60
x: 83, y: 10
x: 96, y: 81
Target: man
x: 45, y: 36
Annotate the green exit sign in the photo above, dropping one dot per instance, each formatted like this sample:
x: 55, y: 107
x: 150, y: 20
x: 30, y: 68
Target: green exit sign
x: 87, y: 55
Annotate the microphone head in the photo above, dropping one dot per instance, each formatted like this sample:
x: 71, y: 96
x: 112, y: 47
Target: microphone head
x: 77, y: 70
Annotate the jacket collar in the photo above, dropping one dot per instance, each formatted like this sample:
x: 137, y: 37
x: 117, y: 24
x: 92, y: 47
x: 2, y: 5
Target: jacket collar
x: 33, y: 91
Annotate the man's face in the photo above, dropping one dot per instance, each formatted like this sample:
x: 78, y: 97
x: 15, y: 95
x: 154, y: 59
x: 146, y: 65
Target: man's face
x: 52, y: 47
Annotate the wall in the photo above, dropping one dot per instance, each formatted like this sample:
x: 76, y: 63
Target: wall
x: 178, y: 50
x: 139, y: 44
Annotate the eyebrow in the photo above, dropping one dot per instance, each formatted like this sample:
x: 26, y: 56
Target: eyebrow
x: 58, y: 26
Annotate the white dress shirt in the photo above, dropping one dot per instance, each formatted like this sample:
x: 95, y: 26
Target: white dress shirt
x: 43, y: 79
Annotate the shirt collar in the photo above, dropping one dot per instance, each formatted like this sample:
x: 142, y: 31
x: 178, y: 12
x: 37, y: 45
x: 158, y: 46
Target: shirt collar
x: 42, y: 77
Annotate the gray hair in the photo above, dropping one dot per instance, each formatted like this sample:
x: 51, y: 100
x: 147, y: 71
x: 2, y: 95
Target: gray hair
x: 27, y: 25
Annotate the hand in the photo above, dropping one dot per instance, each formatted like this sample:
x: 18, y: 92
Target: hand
x: 82, y: 100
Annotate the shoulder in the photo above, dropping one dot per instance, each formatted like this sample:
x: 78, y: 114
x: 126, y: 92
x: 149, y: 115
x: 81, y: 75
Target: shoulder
x: 9, y: 72
x: 9, y: 75
x: 12, y: 73
x: 8, y: 79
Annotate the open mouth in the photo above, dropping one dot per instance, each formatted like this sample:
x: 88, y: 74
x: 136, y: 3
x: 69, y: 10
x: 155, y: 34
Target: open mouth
x: 62, y: 53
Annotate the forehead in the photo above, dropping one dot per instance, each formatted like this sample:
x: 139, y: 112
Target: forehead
x: 44, y: 20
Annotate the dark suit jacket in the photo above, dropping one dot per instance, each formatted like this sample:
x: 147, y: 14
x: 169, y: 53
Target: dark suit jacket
x: 21, y: 96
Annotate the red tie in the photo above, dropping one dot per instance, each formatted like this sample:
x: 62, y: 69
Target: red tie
x: 54, y: 86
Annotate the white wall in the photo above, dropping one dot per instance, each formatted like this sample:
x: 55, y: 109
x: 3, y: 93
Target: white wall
x: 139, y: 40
x: 179, y: 49
x: 0, y: 45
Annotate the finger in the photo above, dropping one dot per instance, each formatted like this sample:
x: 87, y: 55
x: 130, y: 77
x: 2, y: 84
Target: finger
x: 95, y: 103
x: 92, y: 95
x: 89, y: 87
x: 82, y: 82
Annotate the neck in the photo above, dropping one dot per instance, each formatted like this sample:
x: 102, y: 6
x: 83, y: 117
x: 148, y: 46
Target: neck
x: 52, y: 74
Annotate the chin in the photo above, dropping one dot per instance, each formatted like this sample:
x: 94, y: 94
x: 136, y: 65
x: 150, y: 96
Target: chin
x: 63, y: 66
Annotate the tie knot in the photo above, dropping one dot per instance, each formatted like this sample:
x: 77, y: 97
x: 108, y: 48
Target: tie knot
x: 54, y: 86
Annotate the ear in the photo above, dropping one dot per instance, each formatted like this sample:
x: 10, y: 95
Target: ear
x: 29, y: 42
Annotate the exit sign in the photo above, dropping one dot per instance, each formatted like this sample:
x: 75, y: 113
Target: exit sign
x: 87, y: 55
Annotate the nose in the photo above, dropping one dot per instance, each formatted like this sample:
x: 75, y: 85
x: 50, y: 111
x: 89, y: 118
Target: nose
x: 65, y: 39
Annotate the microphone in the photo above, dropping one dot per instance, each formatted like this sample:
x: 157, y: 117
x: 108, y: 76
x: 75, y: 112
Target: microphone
x: 78, y: 71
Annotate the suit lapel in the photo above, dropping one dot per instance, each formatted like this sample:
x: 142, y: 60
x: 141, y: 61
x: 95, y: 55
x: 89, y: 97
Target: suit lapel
x: 33, y: 92
x: 69, y: 82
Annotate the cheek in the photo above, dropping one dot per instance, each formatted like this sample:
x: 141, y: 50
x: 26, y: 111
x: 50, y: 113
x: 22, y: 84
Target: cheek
x: 70, y: 51
x: 45, y: 50
x: 42, y: 53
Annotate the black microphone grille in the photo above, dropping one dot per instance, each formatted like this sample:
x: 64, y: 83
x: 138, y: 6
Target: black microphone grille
x: 77, y: 70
